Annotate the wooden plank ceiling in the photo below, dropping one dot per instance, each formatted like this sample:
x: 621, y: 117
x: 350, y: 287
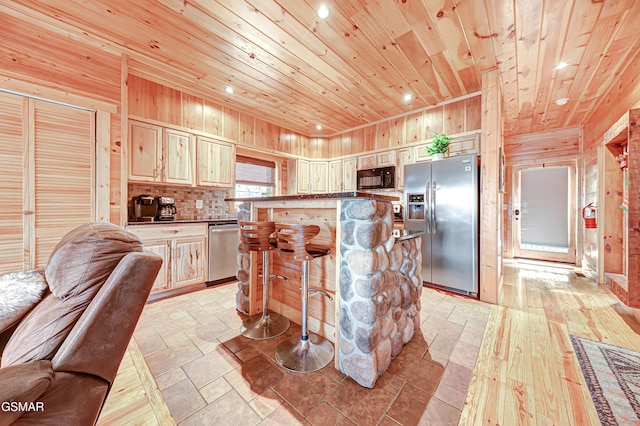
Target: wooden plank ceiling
x: 293, y: 69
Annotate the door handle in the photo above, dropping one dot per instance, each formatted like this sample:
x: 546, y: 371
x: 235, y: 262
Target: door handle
x: 433, y: 206
x: 516, y: 213
x: 427, y: 206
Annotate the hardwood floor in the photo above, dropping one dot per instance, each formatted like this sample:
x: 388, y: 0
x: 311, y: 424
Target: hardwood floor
x: 134, y: 398
x: 526, y: 371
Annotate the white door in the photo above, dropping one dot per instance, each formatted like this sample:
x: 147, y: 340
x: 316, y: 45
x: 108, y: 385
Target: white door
x: 544, y: 212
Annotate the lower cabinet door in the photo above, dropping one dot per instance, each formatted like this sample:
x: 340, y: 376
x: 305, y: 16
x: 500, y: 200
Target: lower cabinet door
x: 163, y: 249
x: 188, y: 263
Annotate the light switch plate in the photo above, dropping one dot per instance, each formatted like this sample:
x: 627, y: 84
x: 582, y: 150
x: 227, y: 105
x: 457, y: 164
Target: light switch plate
x: 199, y: 204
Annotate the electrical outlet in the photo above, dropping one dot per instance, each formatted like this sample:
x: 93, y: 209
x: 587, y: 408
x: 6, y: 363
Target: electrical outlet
x: 199, y: 204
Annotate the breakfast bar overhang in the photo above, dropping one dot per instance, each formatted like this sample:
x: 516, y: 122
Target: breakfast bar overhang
x: 373, y: 275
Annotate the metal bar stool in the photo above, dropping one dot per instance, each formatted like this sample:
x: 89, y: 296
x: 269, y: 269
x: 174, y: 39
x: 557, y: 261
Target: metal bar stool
x: 307, y: 352
x: 255, y: 237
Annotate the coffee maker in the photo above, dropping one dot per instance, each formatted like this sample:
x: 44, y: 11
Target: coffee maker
x: 143, y: 208
x: 166, y: 208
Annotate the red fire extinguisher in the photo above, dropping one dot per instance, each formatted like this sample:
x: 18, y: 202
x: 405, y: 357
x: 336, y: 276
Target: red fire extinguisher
x: 589, y: 215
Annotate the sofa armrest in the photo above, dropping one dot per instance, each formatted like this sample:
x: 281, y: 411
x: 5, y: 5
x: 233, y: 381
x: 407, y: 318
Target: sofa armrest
x: 23, y: 383
x: 100, y: 338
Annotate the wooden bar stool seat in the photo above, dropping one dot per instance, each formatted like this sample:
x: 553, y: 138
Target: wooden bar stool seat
x: 256, y: 236
x: 307, y: 352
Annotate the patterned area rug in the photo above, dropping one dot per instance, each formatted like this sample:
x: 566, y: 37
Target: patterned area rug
x: 613, y: 377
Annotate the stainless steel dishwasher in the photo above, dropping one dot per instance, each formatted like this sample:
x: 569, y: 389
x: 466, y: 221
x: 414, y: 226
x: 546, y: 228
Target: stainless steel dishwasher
x: 224, y: 237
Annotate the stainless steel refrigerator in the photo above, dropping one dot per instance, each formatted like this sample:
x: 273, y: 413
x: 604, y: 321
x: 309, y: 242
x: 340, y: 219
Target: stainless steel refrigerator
x: 441, y: 198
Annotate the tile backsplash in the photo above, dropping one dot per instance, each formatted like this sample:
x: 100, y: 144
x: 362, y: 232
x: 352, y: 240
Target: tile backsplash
x: 213, y: 204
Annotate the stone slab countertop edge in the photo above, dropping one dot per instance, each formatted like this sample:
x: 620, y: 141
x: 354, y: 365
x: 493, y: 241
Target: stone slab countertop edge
x: 322, y: 196
x: 183, y: 221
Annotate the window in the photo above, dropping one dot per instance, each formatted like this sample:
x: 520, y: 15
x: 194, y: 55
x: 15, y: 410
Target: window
x: 254, y: 177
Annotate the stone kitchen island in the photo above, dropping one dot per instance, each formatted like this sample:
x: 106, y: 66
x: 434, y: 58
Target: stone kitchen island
x: 373, y: 274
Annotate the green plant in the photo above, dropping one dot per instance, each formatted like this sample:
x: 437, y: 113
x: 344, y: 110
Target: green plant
x: 439, y: 144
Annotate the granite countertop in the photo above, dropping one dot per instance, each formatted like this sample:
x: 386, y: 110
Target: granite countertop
x: 407, y: 235
x: 323, y: 196
x: 218, y: 221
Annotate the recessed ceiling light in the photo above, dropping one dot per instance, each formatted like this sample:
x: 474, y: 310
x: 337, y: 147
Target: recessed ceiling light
x: 562, y: 101
x: 408, y: 97
x: 562, y: 65
x: 323, y: 11
x: 319, y: 127
x: 228, y: 89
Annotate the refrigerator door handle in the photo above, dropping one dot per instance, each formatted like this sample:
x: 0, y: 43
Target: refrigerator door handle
x: 427, y: 207
x: 433, y: 205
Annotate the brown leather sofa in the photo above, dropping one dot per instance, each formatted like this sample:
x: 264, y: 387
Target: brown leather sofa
x: 63, y: 356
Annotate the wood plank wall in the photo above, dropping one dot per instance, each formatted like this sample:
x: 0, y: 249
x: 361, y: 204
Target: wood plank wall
x: 633, y: 236
x: 46, y: 62
x: 532, y: 148
x: 491, y: 199
x: 461, y: 116
x: 622, y: 97
x: 153, y: 101
x: 526, y: 148
x: 590, y: 238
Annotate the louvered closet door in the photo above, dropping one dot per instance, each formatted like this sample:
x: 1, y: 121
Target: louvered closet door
x: 11, y: 180
x: 63, y: 151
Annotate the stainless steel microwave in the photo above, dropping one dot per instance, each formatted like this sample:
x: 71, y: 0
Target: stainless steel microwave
x: 378, y: 178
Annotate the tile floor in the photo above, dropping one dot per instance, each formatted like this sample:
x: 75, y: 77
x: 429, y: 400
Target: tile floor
x: 209, y: 374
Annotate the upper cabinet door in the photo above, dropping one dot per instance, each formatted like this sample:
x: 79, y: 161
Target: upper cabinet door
x: 367, y: 161
x: 349, y: 174
x: 216, y: 163
x: 178, y: 157
x: 318, y: 176
x: 387, y: 158
x: 303, y: 176
x: 405, y: 156
x: 145, y: 159
x: 335, y: 176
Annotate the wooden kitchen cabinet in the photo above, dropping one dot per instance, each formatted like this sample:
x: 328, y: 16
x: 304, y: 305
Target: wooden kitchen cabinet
x: 342, y: 175
x: 386, y: 158
x: 159, y: 154
x: 335, y: 176
x: 459, y: 145
x: 377, y: 159
x: 306, y: 177
x: 178, y: 157
x: 216, y: 163
x: 404, y: 157
x: 298, y: 177
x: 318, y: 177
x: 368, y: 161
x: 163, y: 249
x: 183, y: 248
x: 145, y: 159
x: 188, y: 260
x: 349, y: 174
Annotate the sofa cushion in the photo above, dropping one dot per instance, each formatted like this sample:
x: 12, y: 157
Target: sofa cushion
x: 78, y: 266
x: 85, y: 257
x: 24, y: 383
x: 19, y: 292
